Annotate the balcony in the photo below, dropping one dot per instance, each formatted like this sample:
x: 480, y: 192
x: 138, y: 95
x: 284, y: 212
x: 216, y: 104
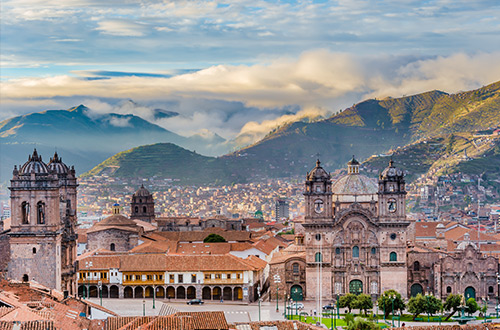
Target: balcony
x: 222, y: 281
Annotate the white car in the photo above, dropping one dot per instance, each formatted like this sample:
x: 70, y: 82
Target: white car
x: 296, y: 305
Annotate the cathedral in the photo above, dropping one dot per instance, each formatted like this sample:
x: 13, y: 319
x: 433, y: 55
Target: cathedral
x: 355, y: 232
x: 42, y: 239
x: 356, y: 238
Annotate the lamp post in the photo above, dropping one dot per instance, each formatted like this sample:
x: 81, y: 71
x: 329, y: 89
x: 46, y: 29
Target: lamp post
x: 392, y: 301
x: 338, y: 312
x: 284, y: 305
x: 258, y: 294
x: 143, y: 307
x: 100, y: 291
x: 376, y: 310
x: 277, y: 281
x: 154, y: 294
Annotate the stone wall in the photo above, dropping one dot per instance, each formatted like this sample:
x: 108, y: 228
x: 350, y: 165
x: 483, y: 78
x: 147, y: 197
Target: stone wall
x: 123, y: 240
x: 4, y: 252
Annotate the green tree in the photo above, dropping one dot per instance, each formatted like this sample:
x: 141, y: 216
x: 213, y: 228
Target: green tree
x: 432, y: 304
x: 360, y: 323
x: 349, y: 318
x: 452, y: 304
x: 416, y: 305
x: 214, y: 238
x: 385, y: 302
x: 471, y: 306
x: 363, y: 302
x: 349, y: 301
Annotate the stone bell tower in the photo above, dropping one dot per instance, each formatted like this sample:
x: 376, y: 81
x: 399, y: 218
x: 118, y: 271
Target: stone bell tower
x: 42, y: 236
x: 394, y: 226
x: 318, y: 195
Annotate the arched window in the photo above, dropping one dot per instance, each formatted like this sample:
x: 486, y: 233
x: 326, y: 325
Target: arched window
x: 25, y: 212
x: 355, y: 252
x: 143, y: 209
x: 374, y: 250
x: 337, y: 250
x: 295, y: 268
x: 40, y: 212
x: 112, y: 247
x: 136, y: 209
x: 34, y: 250
x: 416, y: 266
x: 393, y: 256
x: 318, y: 237
x: 490, y: 290
x: 140, y: 200
x: 25, y: 278
x: 448, y: 289
x: 318, y: 257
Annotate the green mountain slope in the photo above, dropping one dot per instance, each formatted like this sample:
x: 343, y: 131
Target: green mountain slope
x: 369, y: 128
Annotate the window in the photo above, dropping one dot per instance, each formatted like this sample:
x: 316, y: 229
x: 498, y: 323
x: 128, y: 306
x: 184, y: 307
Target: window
x: 137, y: 277
x: 318, y: 257
x: 355, y: 252
x: 393, y: 256
x: 374, y: 250
x: 217, y: 276
x: 104, y: 275
x: 112, y: 246
x: 160, y: 277
x: 490, y: 290
x: 416, y: 266
x: 207, y: 276
x: 238, y: 276
x: 34, y: 250
x: 40, y: 212
x: 337, y: 250
x: 136, y: 209
x: 295, y: 268
x: 318, y: 237
x: 228, y: 276
x: 150, y: 277
x: 193, y: 278
x: 143, y: 209
x: 448, y: 289
x: 25, y: 278
x: 180, y: 278
x: 393, y: 236
x: 83, y: 275
x: 25, y: 211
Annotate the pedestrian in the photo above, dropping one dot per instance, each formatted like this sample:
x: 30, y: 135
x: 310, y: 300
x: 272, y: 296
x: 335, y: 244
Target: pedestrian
x: 403, y: 324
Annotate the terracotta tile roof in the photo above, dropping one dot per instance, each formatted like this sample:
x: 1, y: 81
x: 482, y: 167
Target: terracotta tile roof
x: 241, y: 246
x: 455, y: 233
x: 199, y: 236
x: 5, y: 310
x: 146, y: 226
x: 204, y: 248
x: 170, y: 322
x: 6, y: 325
x: 179, y: 320
x: 255, y: 262
x: 265, y: 246
x: 143, y: 262
x: 99, y: 262
x: 425, y: 229
x: 206, y: 320
x: 283, y: 257
x: 163, y: 246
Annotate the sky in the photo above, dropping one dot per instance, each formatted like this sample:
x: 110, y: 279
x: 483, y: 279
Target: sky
x: 239, y: 68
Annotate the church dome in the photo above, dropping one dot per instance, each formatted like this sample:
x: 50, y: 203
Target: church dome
x: 34, y: 165
x: 116, y: 220
x: 391, y: 173
x: 354, y: 184
x: 57, y: 165
x: 142, y: 192
x: 318, y: 173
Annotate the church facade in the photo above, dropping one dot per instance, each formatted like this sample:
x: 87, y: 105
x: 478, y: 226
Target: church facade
x: 354, y: 233
x: 42, y: 239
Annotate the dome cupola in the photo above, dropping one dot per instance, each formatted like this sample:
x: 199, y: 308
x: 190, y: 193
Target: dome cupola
x: 34, y: 165
x: 55, y: 164
x: 318, y: 173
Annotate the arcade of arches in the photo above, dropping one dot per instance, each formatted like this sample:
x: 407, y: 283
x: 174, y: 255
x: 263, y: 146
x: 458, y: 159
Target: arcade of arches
x: 169, y: 292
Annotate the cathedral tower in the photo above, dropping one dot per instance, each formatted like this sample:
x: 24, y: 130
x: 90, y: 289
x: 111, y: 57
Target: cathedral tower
x: 393, y: 233
x: 142, y: 206
x: 42, y: 236
x: 318, y: 195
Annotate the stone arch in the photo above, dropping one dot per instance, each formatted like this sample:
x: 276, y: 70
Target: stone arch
x: 206, y: 293
x: 237, y: 293
x: 227, y: 293
x: 296, y: 293
x: 318, y: 257
x: 128, y: 292
x: 82, y: 291
x: 112, y: 247
x: 216, y: 293
x: 104, y: 291
x: 170, y: 292
x: 191, y: 292
x: 138, y: 292
x: 26, y: 278
x: 470, y: 292
x: 160, y: 292
x: 93, y: 291
x: 393, y: 256
x: 114, y: 292
x: 148, y: 293
x: 181, y: 293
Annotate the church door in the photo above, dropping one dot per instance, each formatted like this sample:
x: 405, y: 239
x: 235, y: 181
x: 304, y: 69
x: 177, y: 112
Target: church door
x: 296, y: 293
x: 416, y: 289
x: 356, y: 287
x: 470, y: 292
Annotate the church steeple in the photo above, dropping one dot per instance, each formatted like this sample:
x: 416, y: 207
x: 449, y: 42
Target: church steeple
x: 318, y: 193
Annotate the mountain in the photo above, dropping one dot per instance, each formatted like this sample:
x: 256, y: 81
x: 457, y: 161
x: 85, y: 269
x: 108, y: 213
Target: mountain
x: 83, y: 138
x: 368, y: 128
x: 167, y: 161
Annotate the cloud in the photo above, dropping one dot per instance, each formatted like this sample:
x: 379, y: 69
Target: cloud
x: 246, y: 101
x: 120, y: 122
x: 121, y: 27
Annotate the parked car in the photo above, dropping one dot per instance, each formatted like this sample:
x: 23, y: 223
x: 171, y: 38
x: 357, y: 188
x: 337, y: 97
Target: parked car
x: 296, y: 305
x: 195, y: 302
x: 329, y: 306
